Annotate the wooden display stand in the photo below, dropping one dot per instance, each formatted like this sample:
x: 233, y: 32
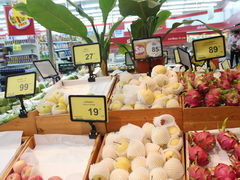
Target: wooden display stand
x: 25, y: 141
x: 31, y: 144
x: 27, y: 125
x: 210, y: 117
x: 120, y: 118
x: 61, y: 124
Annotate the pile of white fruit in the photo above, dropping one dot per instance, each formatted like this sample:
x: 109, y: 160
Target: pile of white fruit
x: 161, y: 90
x: 57, y: 103
x: 147, y: 153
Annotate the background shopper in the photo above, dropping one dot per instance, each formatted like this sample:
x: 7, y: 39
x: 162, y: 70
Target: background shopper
x: 232, y: 42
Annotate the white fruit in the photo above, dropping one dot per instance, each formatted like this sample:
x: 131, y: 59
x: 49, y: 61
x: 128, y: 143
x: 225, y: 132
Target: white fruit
x: 171, y: 74
x: 111, y: 138
x: 172, y: 103
x: 164, y: 120
x: 118, y: 97
x: 115, y: 105
x: 174, y: 130
x: 160, y: 102
x: 174, y: 168
x: 146, y: 140
x: 171, y: 153
x: 134, y: 82
x: 158, y: 174
x: 59, y: 109
x: 138, y: 162
x: 161, y: 80
x: 98, y: 171
x: 145, y: 96
x: 154, y: 160
x: 160, y: 136
x: 130, y: 94
x: 149, y: 84
x: 135, y: 148
x: 122, y: 163
x: 109, y: 152
x: 159, y: 69
x: 177, y: 88
x: 119, y: 86
x: 125, y: 77
x: 132, y: 132
x: 121, y: 146
x: 127, y: 107
x: 167, y: 90
x: 119, y: 174
x: 108, y: 163
x: 175, y: 142
x: 140, y: 173
x: 147, y: 128
x: 139, y: 106
x: 150, y: 147
x: 144, y: 78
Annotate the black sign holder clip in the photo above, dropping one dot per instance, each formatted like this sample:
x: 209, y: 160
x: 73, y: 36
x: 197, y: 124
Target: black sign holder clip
x: 23, y: 111
x: 149, y: 60
x: 93, y: 133
x: 55, y: 79
x: 91, y: 75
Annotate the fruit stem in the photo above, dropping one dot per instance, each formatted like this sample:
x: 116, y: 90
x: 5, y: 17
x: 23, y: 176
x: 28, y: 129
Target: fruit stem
x: 224, y: 125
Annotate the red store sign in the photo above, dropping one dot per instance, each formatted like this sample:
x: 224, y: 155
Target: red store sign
x: 17, y: 23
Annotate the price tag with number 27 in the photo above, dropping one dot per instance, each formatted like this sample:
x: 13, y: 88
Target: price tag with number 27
x: 209, y: 48
x: 88, y: 108
x: 20, y: 85
x: 86, y: 54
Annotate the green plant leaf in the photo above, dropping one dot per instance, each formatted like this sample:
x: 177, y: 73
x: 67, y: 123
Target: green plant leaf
x: 162, y: 17
x: 106, y: 6
x: 123, y: 48
x: 175, y: 25
x: 114, y: 27
x: 138, y: 30
x: 140, y: 8
x: 22, y: 7
x: 57, y: 18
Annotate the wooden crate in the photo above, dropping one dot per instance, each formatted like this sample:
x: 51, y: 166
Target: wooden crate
x: 31, y: 144
x: 27, y: 125
x: 99, y: 157
x: 25, y: 141
x: 210, y: 117
x: 61, y: 124
x: 120, y: 118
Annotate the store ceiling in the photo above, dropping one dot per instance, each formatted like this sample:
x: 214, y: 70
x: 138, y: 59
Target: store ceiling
x: 177, y: 7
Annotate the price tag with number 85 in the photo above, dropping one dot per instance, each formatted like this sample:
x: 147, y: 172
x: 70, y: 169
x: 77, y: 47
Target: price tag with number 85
x: 88, y: 108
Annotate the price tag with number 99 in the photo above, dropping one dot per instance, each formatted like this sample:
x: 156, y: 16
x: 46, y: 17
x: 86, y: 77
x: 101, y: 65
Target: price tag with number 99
x: 21, y: 85
x: 88, y: 108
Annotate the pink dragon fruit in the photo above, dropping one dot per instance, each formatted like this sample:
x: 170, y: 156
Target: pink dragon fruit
x: 224, y: 84
x: 236, y: 167
x: 237, y: 151
x: 191, y: 76
x: 209, y: 76
x: 236, y: 74
x: 205, y: 140
x: 192, y: 97
x: 232, y: 98
x: 224, y: 172
x: 212, y: 99
x: 238, y: 87
x: 226, y: 139
x: 198, y: 155
x: 199, y: 173
x: 202, y: 86
x: 227, y: 75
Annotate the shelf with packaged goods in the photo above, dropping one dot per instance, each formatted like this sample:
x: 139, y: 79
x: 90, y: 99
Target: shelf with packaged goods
x: 26, y: 54
x: 20, y: 64
x: 24, y: 44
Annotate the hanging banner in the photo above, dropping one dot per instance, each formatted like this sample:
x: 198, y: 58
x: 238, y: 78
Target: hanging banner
x: 18, y: 24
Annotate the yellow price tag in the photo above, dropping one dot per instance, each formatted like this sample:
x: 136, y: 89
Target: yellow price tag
x: 225, y: 65
x: 176, y: 56
x: 86, y: 54
x: 21, y: 85
x: 17, y: 47
x: 198, y: 63
x: 88, y: 108
x: 209, y: 48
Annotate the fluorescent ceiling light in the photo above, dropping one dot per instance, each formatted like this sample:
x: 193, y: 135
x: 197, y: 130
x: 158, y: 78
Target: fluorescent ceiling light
x: 190, y: 9
x: 188, y: 6
x: 190, y: 2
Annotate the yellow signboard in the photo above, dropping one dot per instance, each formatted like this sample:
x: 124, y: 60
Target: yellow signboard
x: 197, y: 63
x: 86, y: 54
x: 225, y: 65
x: 176, y: 56
x: 88, y: 108
x: 21, y: 85
x: 209, y: 48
